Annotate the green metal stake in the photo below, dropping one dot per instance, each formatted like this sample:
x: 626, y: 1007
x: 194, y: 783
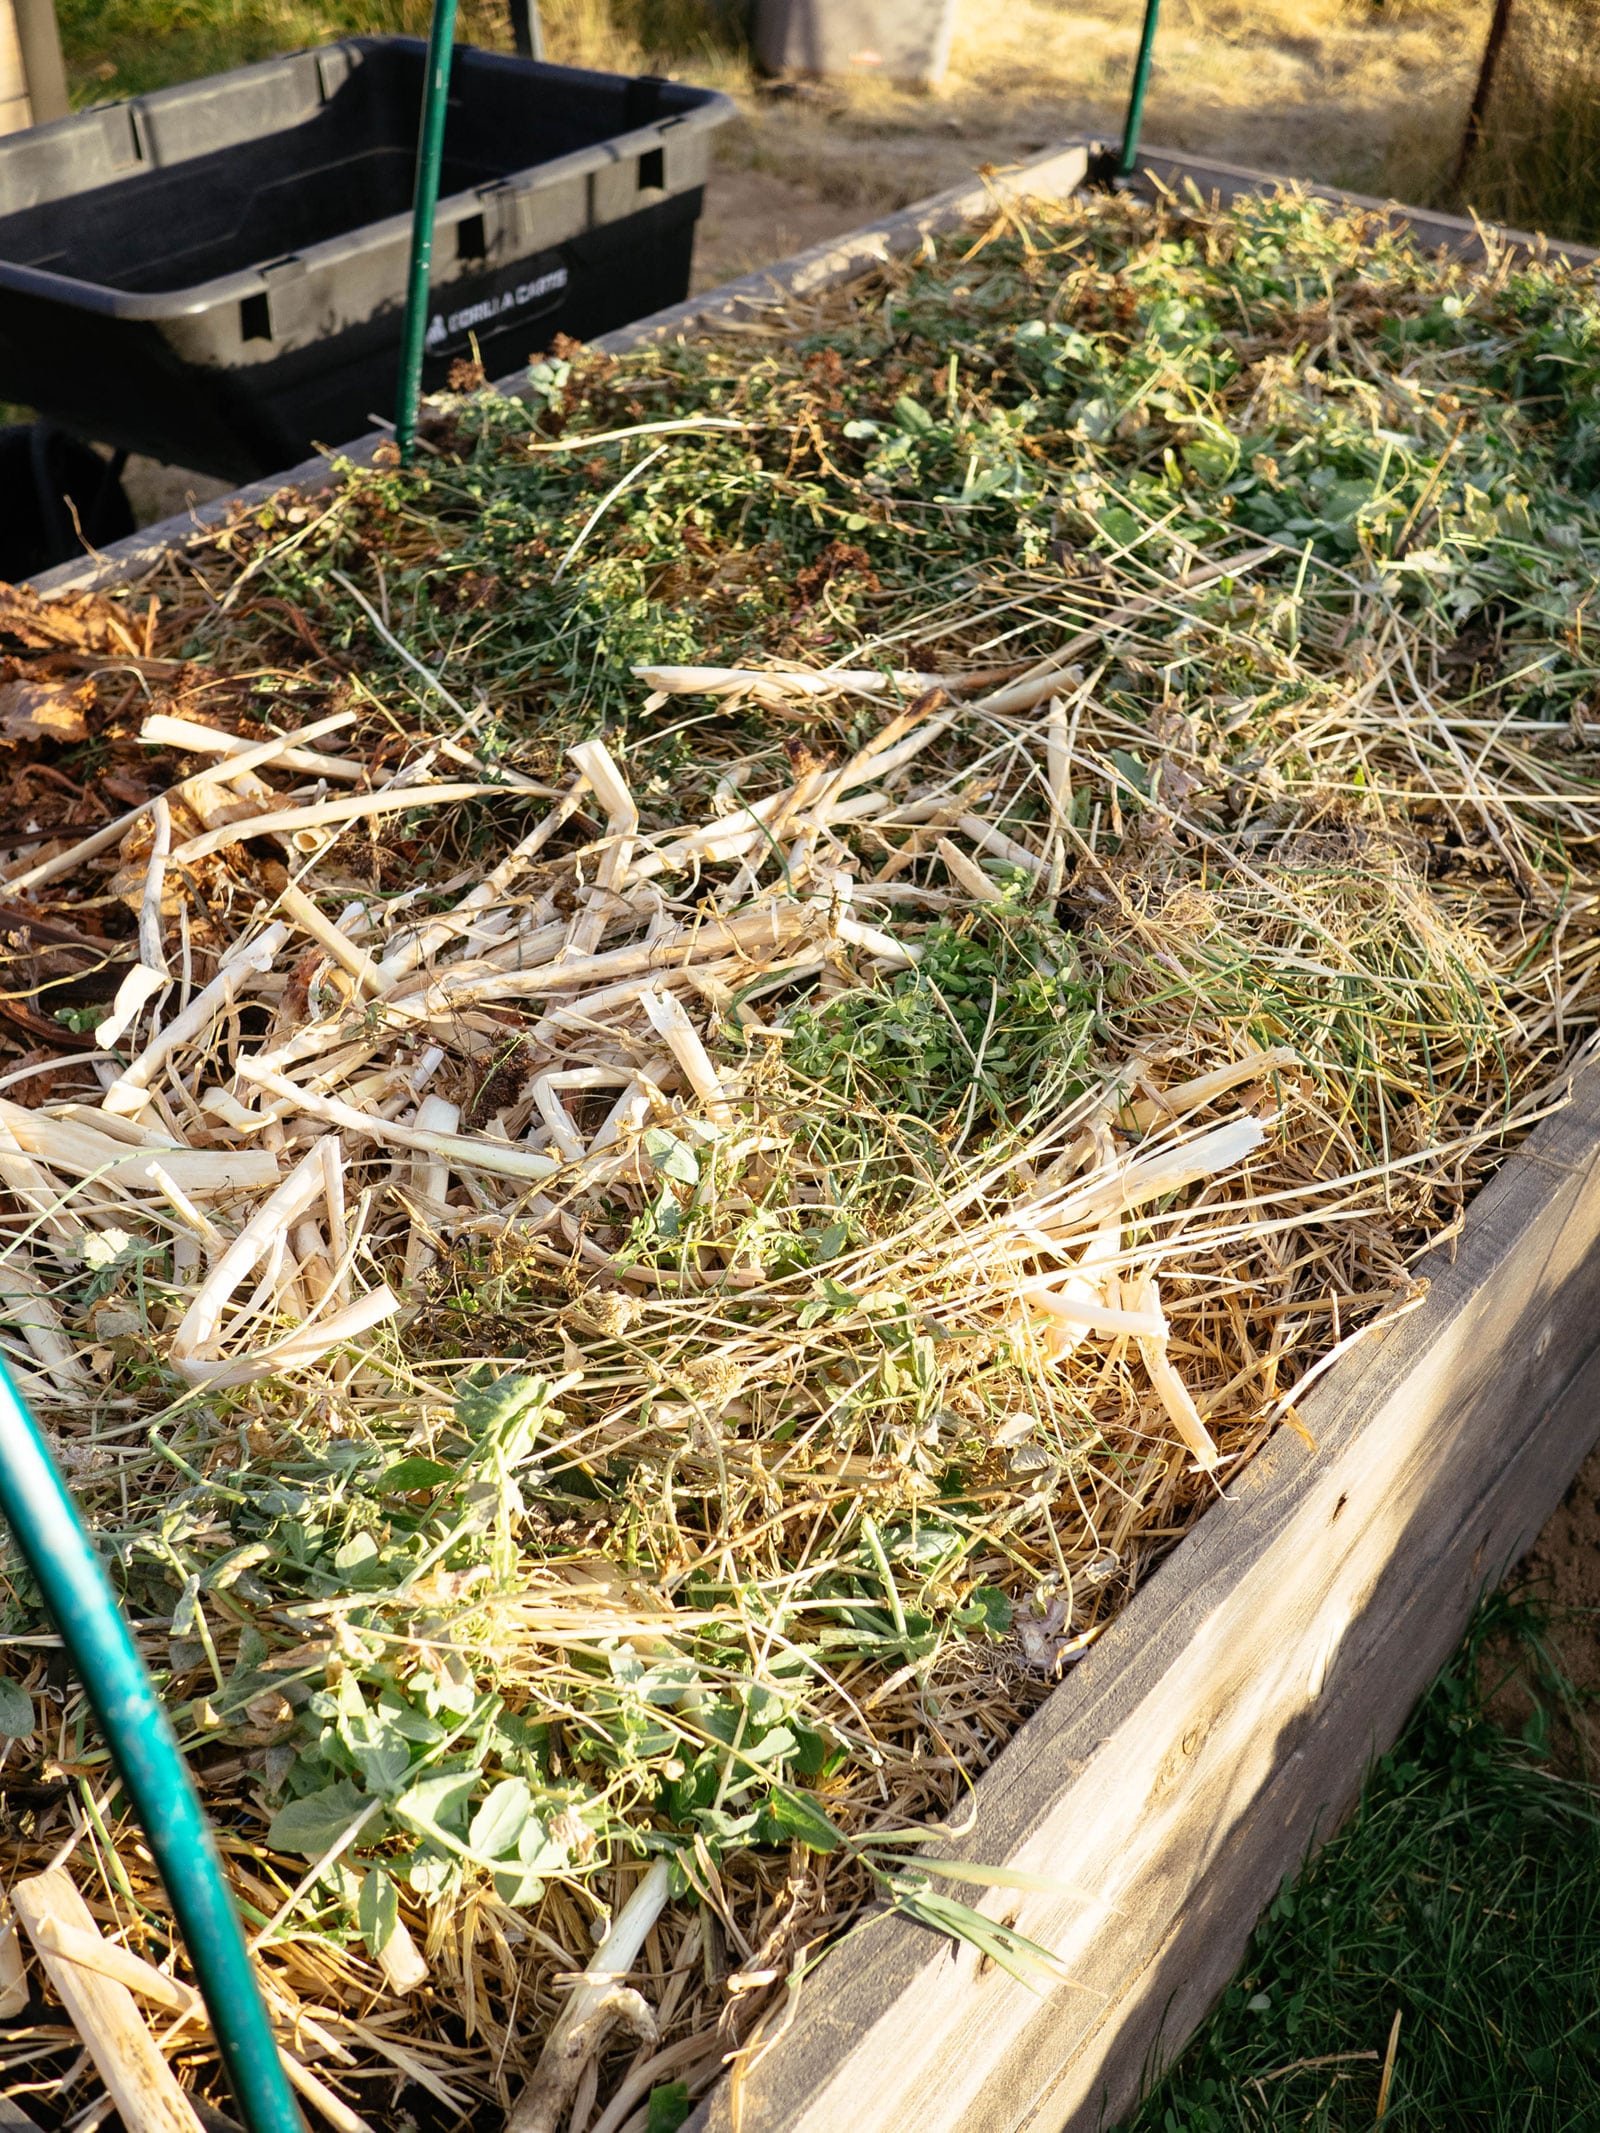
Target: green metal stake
x: 1141, y: 81
x: 149, y: 1761
x: 424, y: 199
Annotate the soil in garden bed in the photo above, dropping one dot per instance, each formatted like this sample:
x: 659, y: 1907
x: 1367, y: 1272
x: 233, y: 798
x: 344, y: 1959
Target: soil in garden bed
x: 828, y: 964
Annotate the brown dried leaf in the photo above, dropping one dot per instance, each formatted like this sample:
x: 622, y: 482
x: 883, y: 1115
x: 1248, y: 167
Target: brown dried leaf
x: 73, y: 622
x: 44, y: 710
x: 270, y: 1715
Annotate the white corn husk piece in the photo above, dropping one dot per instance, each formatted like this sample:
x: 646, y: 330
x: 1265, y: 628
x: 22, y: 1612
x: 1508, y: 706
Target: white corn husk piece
x: 583, y: 1013
x: 224, y: 1105
x: 181, y: 1204
x: 150, y: 973
x: 882, y: 757
x: 139, y: 986
x: 277, y: 748
x: 714, y: 843
x: 468, y: 1151
x: 1172, y: 1391
x: 966, y: 874
x: 613, y: 1147
x: 545, y: 1089
x: 779, y: 685
x: 200, y: 1328
x: 39, y: 1322
x: 1187, y: 1096
x: 79, y: 1151
x: 128, y: 1093
x: 899, y: 955
x: 417, y: 947
x: 38, y: 1192
x: 595, y: 761
x: 322, y: 814
x: 110, y: 1126
x: 353, y: 960
x: 316, y: 1270
x: 430, y: 1181
x: 162, y: 730
x: 1135, y: 1182
x: 1058, y: 763
x: 299, y: 1349
x: 988, y: 839
x: 762, y: 932
x: 110, y: 833
x: 1068, y: 1309
x: 682, y: 1039
x: 332, y: 1153
x: 595, y: 2003
x: 151, y: 952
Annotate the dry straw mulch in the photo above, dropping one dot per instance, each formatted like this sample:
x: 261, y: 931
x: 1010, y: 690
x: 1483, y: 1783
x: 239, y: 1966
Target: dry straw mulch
x: 681, y: 1086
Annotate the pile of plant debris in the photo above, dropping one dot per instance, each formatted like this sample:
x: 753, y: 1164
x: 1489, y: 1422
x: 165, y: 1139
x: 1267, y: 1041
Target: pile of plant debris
x: 683, y: 1083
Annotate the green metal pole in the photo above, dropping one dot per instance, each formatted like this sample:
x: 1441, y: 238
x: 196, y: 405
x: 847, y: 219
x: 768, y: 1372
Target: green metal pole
x: 1141, y: 81
x: 149, y: 1761
x: 424, y: 199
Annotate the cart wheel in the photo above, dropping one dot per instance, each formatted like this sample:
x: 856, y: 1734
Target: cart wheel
x: 51, y: 486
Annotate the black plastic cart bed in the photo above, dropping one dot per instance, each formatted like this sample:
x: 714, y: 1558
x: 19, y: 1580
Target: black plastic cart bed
x: 214, y: 274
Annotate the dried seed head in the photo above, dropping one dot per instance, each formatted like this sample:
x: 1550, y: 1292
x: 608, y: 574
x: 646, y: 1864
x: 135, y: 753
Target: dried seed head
x: 715, y: 1377
x: 706, y: 1436
x: 81, y: 1458
x: 570, y: 1829
x: 608, y: 1312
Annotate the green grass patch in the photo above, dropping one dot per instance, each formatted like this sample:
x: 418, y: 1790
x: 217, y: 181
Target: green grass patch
x: 1464, y: 1896
x: 117, y: 48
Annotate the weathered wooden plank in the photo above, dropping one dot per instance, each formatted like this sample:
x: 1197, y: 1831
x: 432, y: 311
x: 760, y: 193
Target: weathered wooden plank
x: 1311, y: 1787
x: 1227, y: 1715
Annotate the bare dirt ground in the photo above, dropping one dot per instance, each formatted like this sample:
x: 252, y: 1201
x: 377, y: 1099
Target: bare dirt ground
x: 1369, y: 94
x: 1562, y: 1572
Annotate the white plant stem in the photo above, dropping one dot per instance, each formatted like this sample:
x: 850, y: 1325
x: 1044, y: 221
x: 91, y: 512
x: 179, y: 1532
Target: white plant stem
x: 580, y: 2028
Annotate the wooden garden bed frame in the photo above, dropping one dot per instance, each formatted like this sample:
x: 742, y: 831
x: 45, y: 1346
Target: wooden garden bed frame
x: 1223, y: 1723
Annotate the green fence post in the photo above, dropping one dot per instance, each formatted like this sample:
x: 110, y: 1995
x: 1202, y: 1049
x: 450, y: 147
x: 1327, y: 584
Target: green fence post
x: 424, y: 199
x: 1141, y: 81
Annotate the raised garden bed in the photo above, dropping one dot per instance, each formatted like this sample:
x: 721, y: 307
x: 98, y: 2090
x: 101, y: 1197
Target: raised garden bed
x: 1222, y: 1719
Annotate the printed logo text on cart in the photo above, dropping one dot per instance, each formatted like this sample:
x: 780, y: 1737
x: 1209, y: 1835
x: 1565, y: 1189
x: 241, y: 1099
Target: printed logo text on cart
x: 470, y: 316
